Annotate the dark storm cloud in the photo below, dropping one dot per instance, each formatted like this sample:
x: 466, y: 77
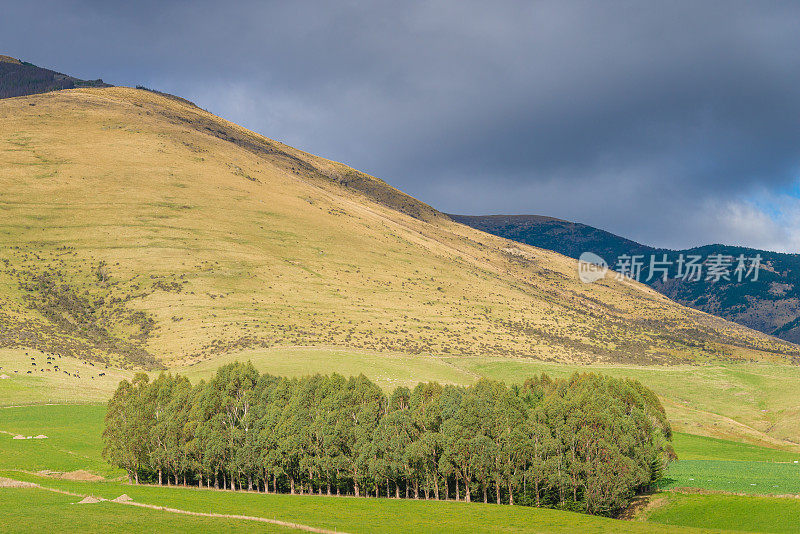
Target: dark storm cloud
x: 672, y: 123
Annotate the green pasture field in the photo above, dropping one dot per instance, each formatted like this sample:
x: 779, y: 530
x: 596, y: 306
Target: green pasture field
x: 73, y: 438
x: 761, y: 478
x: 734, y: 512
x: 387, y: 370
x: 74, y: 443
x: 32, y: 510
x: 692, y: 447
x: 749, y: 403
x: 350, y: 514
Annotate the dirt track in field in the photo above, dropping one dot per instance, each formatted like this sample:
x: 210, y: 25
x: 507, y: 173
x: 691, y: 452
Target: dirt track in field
x: 123, y: 500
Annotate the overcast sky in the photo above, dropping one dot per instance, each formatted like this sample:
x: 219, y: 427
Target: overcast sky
x: 674, y: 124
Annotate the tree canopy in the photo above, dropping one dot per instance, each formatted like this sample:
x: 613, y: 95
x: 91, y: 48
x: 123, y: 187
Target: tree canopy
x: 587, y: 443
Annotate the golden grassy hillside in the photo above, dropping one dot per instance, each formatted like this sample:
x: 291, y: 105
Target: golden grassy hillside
x: 137, y: 228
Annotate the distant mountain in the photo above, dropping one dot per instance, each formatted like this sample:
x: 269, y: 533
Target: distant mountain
x: 19, y: 78
x: 769, y: 303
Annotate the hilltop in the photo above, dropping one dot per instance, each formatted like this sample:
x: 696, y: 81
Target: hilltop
x: 140, y: 230
x: 20, y: 78
x: 771, y: 303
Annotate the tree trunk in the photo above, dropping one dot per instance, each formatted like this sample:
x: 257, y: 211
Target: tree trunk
x: 397, y: 491
x: 468, y: 496
x: 485, y: 497
x: 328, y: 485
x: 497, y: 487
x: 387, y: 488
x: 416, y: 488
x: 136, y: 476
x: 446, y: 488
x: 159, y: 478
x: 358, y: 490
x: 249, y: 482
x: 291, y: 485
x: 510, y: 494
x: 458, y: 490
x: 200, y: 480
x: 275, y: 483
x: 176, y: 479
x: 436, y: 487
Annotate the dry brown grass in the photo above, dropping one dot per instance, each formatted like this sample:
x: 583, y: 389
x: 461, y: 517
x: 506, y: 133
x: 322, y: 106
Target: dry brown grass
x: 173, y: 236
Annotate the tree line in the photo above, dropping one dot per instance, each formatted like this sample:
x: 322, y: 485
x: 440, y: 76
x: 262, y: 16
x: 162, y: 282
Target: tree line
x: 587, y: 443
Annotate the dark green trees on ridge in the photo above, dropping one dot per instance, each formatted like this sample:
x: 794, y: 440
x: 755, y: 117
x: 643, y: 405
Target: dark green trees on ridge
x: 586, y: 443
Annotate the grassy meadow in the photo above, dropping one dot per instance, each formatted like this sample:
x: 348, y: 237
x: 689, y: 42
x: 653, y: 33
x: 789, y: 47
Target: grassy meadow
x: 725, y: 512
x: 731, y: 476
x: 349, y: 514
x: 744, y: 402
x: 73, y: 444
x: 73, y: 438
x: 25, y: 508
x: 386, y: 370
x: 75, y: 380
x: 693, y: 447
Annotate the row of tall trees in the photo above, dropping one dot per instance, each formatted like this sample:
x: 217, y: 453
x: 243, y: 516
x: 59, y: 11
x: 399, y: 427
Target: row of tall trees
x: 586, y: 443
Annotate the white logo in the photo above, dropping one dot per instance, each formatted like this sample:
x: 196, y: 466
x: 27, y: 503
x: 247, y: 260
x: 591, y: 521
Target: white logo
x: 591, y: 267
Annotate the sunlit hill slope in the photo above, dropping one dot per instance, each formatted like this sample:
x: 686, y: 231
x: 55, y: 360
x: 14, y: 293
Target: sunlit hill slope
x: 139, y: 229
